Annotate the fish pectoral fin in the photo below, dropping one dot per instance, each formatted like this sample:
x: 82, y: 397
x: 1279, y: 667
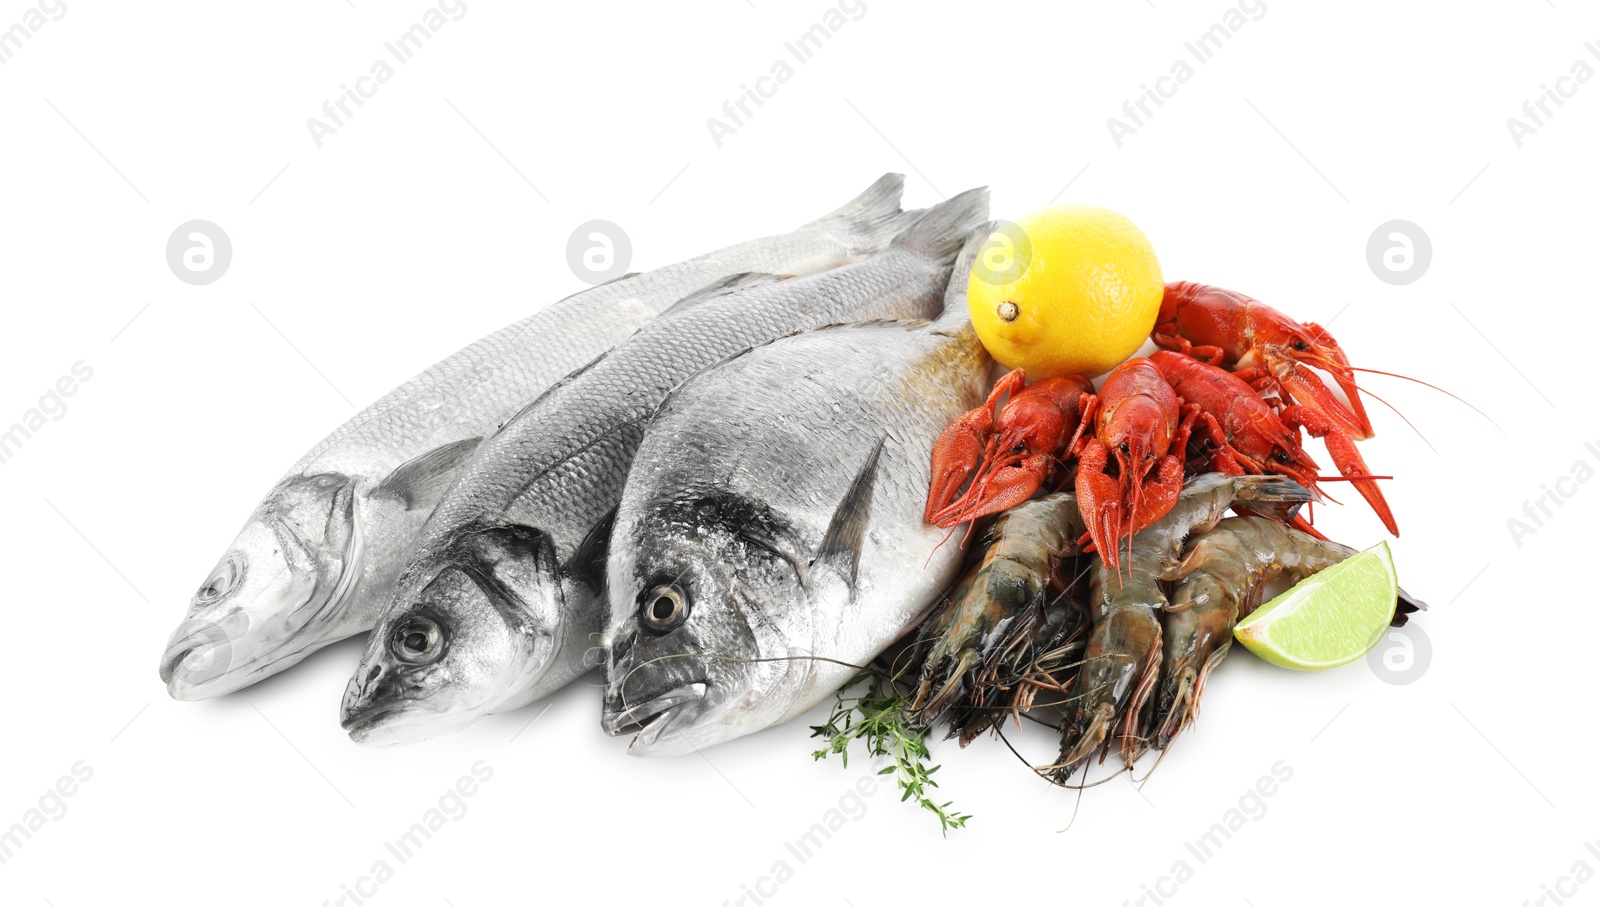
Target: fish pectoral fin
x: 841, y: 544
x: 733, y: 283
x: 588, y: 564
x: 422, y: 480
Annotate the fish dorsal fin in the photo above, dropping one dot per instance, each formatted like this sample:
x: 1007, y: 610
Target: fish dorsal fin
x: 588, y: 564
x: 627, y: 276
x: 422, y: 480
x: 604, y: 283
x: 733, y: 283
x: 841, y: 544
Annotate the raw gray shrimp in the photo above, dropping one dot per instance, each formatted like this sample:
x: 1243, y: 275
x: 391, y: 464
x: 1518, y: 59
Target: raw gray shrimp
x: 998, y: 614
x: 1123, y: 655
x: 1220, y: 581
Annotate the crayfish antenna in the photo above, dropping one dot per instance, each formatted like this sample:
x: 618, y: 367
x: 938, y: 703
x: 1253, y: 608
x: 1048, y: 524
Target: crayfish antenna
x: 1461, y: 400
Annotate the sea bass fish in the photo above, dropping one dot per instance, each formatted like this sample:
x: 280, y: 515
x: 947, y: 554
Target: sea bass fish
x: 771, y: 532
x: 502, y: 603
x: 320, y: 555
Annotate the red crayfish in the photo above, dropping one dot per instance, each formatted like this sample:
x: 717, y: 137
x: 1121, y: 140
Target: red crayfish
x: 1233, y: 376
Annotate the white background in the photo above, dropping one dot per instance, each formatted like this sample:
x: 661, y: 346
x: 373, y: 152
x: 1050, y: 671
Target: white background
x: 408, y: 234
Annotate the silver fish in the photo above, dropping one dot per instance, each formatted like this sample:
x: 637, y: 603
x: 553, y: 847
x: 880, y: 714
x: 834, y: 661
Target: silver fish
x: 771, y: 532
x: 502, y: 604
x: 321, y: 554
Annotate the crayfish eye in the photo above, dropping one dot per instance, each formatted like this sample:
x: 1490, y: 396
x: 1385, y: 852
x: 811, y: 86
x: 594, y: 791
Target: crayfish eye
x: 663, y: 608
x: 1281, y: 457
x: 1300, y: 345
x: 1123, y: 446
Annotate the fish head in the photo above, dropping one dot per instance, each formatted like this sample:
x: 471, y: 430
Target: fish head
x: 465, y: 636
x: 274, y: 596
x: 711, y: 625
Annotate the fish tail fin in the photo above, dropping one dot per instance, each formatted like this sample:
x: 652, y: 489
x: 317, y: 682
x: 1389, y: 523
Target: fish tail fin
x: 941, y: 230
x: 868, y: 221
x: 955, y: 314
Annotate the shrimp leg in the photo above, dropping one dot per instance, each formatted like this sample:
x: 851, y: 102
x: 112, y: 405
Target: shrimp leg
x: 1123, y: 656
x: 1000, y: 599
x: 1220, y: 581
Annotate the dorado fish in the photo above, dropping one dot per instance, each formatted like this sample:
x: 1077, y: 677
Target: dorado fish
x: 771, y: 532
x: 320, y: 555
x: 501, y: 604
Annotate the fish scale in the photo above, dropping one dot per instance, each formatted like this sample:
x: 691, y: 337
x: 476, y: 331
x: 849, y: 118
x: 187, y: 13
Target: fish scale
x: 516, y: 518
x: 323, y: 551
x: 567, y: 480
x: 767, y: 452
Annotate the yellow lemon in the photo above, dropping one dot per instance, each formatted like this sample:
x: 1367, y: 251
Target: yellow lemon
x: 1069, y: 290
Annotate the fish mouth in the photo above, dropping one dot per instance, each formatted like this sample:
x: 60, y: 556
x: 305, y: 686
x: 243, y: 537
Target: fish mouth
x: 197, y: 667
x: 649, y: 720
x: 368, y: 725
x: 171, y: 660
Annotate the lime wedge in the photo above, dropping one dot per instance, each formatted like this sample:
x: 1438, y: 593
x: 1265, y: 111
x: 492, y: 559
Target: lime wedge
x: 1328, y: 619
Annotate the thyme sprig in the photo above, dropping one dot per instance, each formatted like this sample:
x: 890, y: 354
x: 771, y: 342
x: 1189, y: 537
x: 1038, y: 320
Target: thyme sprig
x: 877, y: 715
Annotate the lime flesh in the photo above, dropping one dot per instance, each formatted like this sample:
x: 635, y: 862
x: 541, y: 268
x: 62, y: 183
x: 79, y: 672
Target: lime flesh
x: 1326, y: 620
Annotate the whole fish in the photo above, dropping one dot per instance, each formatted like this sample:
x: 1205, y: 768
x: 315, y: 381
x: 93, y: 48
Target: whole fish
x: 771, y: 533
x: 320, y: 555
x: 501, y: 603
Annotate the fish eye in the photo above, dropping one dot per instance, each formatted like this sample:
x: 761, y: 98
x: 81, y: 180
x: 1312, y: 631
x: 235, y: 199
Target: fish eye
x: 418, y: 641
x: 220, y: 583
x: 663, y: 608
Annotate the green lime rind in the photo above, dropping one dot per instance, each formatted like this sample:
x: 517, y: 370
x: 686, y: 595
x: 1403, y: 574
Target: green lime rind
x: 1326, y: 620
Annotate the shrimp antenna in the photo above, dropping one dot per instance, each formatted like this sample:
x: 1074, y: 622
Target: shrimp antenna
x: 1153, y: 768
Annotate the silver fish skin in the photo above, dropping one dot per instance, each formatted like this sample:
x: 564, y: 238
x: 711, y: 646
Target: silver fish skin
x: 320, y: 555
x: 771, y: 533
x: 502, y: 603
